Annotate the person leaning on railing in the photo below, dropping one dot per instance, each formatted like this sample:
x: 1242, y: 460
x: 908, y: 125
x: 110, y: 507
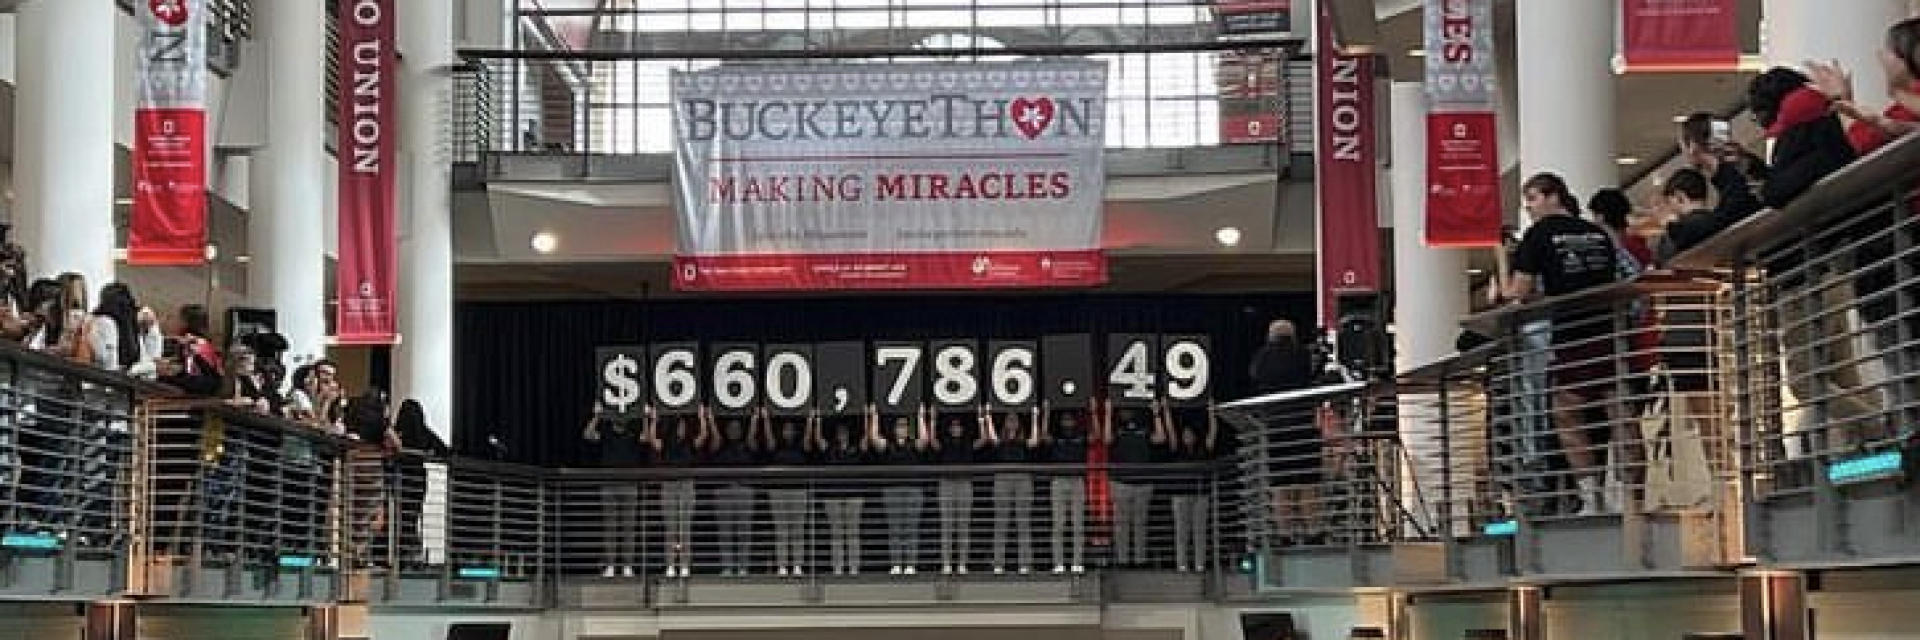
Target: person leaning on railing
x: 1900, y: 59
x: 1566, y: 254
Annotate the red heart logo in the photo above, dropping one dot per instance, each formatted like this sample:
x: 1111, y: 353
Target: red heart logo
x: 1031, y: 115
x: 173, y: 13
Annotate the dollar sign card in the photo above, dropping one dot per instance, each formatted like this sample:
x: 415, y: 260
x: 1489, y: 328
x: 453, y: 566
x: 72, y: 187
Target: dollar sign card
x: 623, y: 390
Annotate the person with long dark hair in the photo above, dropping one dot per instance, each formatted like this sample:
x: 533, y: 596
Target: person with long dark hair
x: 902, y: 443
x: 677, y: 446
x: 417, y: 445
x: 113, y: 332
x: 1067, y: 439
x: 1900, y: 60
x: 958, y: 441
x: 1013, y: 441
x: 790, y: 445
x: 1565, y: 254
x: 620, y: 447
x: 845, y: 445
x: 195, y: 366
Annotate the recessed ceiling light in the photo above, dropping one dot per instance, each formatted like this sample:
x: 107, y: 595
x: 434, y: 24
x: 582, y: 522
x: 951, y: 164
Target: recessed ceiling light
x: 545, y: 242
x: 1416, y: 53
x: 1227, y: 236
x: 1626, y: 161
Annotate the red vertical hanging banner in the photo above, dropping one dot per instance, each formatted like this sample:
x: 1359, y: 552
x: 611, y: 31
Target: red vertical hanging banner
x: 367, y: 70
x: 1346, y: 172
x: 1679, y: 35
x: 1463, y: 148
x: 169, y: 223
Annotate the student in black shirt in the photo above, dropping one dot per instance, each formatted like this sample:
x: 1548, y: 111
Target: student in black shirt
x: 845, y: 445
x: 619, y: 444
x: 738, y: 439
x: 789, y: 503
x: 1192, y: 442
x: 685, y: 436
x: 1133, y: 436
x: 903, y: 444
x: 1566, y: 254
x: 956, y: 445
x: 1064, y: 437
x: 1012, y: 441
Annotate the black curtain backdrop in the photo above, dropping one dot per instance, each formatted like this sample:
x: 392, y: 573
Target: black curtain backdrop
x: 524, y: 369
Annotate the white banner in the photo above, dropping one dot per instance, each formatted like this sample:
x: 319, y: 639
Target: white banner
x: 890, y: 175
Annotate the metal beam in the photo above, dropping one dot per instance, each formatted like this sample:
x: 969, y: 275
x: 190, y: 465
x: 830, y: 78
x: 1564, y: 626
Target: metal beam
x: 1062, y: 50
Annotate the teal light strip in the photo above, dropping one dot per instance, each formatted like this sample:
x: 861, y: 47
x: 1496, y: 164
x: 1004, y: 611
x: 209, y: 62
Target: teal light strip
x: 479, y: 573
x: 1501, y: 528
x: 1865, y: 468
x: 29, y: 541
x: 296, y: 562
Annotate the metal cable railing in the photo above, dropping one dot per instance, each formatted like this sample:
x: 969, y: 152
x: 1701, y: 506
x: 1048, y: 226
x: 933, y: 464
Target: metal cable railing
x: 1012, y: 519
x: 1613, y: 400
x: 66, y: 456
x: 1325, y: 468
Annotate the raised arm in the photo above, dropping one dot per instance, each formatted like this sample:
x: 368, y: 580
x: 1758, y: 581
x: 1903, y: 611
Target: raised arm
x: 592, y: 432
x: 873, y: 428
x: 705, y: 439
x: 925, y: 433
x: 987, y: 433
x: 1039, y: 424
x: 1161, y: 422
x: 1213, y: 429
x: 651, y: 436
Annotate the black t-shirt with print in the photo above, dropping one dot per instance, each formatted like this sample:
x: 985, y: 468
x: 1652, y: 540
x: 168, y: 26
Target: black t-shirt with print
x: 1567, y: 254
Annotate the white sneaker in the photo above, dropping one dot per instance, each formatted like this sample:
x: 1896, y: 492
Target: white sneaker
x: 963, y: 569
x: 999, y: 571
x: 896, y: 570
x: 607, y: 571
x: 1592, y: 501
x: 1183, y: 568
x: 838, y: 572
x: 910, y: 570
x: 626, y: 572
x: 1059, y: 569
x: 782, y: 572
x: 797, y: 572
x: 1024, y: 570
x: 1079, y: 569
x: 853, y: 571
x: 946, y: 569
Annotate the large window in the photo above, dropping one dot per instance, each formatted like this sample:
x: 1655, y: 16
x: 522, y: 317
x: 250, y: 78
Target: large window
x: 1166, y: 99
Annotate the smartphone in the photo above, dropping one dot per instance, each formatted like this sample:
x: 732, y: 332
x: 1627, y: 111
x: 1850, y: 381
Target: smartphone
x: 1722, y: 133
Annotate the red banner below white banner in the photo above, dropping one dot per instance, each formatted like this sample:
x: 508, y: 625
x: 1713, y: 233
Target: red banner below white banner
x: 169, y: 223
x: 918, y: 270
x: 1463, y: 180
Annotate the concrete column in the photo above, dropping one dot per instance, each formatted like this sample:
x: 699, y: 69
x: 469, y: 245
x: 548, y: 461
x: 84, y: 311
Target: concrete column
x: 1566, y: 91
x: 423, y: 361
x: 1429, y: 292
x: 63, y: 125
x: 1853, y: 33
x: 288, y: 219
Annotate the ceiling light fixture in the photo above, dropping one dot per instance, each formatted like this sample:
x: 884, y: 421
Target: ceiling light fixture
x: 1626, y: 161
x: 1227, y: 236
x: 545, y: 242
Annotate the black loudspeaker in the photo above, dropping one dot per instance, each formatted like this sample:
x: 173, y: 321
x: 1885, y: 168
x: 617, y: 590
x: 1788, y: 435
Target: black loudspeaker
x: 1367, y: 633
x: 1268, y: 626
x: 1484, y: 634
x: 245, y: 321
x: 479, y: 631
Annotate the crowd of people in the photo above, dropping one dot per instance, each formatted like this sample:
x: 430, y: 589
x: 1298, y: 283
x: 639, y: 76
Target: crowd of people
x: 1815, y: 127
x: 1082, y: 441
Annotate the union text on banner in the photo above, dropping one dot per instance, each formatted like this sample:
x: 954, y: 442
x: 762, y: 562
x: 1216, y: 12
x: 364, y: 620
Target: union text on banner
x: 367, y: 68
x: 1346, y: 173
x: 1463, y: 164
x: 169, y: 223
x: 1679, y: 35
x: 890, y: 176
